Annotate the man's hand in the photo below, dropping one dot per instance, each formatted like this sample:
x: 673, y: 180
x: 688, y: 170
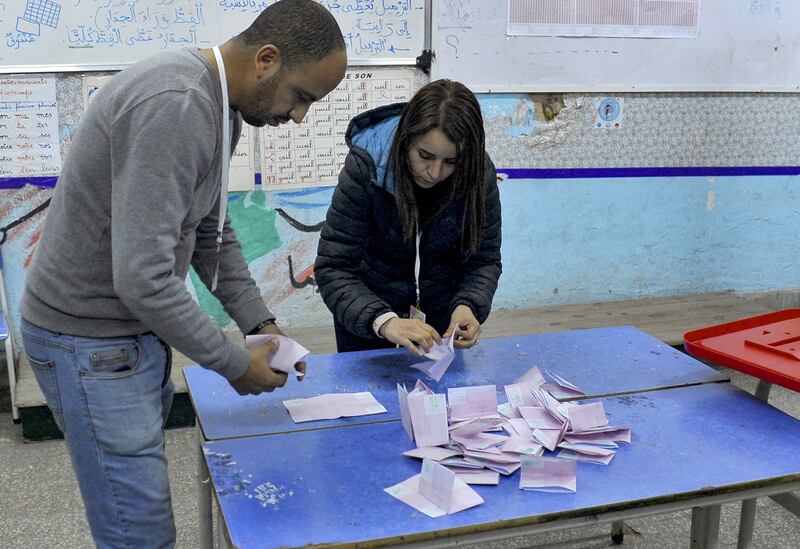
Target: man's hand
x: 274, y: 330
x: 468, y: 327
x: 409, y: 332
x: 259, y: 377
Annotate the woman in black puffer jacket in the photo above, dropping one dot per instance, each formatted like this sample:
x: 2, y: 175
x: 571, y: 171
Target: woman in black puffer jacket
x: 414, y: 226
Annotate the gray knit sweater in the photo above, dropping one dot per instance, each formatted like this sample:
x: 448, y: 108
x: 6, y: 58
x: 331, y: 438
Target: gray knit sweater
x: 136, y: 202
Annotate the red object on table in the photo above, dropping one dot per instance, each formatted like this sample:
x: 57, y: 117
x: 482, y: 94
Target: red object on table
x: 765, y: 346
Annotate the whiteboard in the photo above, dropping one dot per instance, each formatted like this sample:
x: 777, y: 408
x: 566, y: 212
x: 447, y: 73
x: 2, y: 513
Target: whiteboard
x: 743, y: 45
x: 74, y: 35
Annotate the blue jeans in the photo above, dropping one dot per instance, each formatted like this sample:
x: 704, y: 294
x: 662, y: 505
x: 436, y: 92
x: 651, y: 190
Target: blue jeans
x: 111, y: 398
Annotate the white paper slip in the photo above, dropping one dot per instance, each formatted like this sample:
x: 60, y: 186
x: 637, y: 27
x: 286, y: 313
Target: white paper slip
x: 569, y: 454
x: 477, y: 476
x: 288, y: 354
x: 474, y: 426
x: 439, y: 358
x: 523, y: 446
x: 437, y: 491
x: 405, y: 414
x: 332, y: 406
x: 562, y: 388
x: 435, y: 453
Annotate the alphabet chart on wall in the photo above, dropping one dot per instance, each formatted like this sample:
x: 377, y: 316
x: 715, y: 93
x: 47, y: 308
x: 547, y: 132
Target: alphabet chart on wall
x: 311, y: 154
x: 29, y: 143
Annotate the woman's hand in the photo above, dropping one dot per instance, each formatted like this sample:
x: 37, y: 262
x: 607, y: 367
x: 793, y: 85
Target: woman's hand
x: 468, y: 328
x: 410, y: 332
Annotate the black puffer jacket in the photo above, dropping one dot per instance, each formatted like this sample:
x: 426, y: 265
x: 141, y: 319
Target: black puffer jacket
x: 365, y: 266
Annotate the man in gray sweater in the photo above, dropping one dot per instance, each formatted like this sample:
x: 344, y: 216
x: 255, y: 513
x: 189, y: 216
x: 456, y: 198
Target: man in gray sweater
x: 137, y: 202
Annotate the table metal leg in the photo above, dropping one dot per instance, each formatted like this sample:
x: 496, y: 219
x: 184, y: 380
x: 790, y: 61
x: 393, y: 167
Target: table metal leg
x: 203, y: 495
x: 698, y: 524
x: 222, y: 533
x: 790, y: 502
x: 746, y: 523
x: 762, y: 391
x: 617, y: 534
x: 747, y: 518
x: 705, y: 527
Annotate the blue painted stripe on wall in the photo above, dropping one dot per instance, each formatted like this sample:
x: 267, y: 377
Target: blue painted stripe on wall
x: 19, y: 182
x: 688, y: 171
x: 526, y: 173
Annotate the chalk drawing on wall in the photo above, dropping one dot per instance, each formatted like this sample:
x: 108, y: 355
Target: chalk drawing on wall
x: 279, y: 247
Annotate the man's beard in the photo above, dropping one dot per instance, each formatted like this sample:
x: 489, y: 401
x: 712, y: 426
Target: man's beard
x: 256, y: 113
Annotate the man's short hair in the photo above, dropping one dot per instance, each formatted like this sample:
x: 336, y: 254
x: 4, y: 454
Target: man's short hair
x: 303, y: 30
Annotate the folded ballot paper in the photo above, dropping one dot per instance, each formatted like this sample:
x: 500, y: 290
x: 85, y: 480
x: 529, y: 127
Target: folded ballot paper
x: 546, y: 474
x: 288, y: 354
x: 478, y: 440
x: 439, y: 358
x: 332, y: 406
x: 436, y: 491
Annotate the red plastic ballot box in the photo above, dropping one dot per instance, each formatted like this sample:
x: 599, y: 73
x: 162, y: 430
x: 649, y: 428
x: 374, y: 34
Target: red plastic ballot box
x: 765, y: 346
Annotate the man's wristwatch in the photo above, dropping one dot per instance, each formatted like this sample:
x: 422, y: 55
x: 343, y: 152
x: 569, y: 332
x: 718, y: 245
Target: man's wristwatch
x: 261, y: 326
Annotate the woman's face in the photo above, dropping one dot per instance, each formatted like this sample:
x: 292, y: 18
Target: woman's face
x: 432, y: 157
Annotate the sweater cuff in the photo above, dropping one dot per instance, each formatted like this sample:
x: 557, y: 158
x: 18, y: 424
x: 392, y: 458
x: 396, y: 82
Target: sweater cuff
x: 238, y: 362
x: 380, y: 320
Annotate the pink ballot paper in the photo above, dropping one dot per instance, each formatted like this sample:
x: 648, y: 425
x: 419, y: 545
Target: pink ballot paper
x: 437, y: 491
x: 288, y: 354
x: 333, y: 405
x: 547, y: 474
x: 428, y: 418
x: 587, y: 416
x: 472, y: 402
x: 439, y: 359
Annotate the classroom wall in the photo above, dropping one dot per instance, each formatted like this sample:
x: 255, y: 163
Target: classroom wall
x: 567, y: 239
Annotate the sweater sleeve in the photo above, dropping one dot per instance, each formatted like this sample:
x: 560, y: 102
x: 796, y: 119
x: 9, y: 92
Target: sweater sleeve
x: 483, y: 269
x: 343, y: 241
x: 153, y: 188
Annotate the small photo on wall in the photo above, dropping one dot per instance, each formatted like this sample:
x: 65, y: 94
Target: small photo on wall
x: 608, y: 114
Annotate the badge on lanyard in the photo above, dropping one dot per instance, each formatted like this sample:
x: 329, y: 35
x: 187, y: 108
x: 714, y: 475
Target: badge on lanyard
x: 414, y: 311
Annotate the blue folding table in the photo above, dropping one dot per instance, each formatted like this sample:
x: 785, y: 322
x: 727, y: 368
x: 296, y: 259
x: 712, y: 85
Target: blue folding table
x: 600, y: 361
x: 693, y: 447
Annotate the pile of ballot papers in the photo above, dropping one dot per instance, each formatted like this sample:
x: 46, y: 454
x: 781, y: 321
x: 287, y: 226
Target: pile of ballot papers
x: 465, y: 438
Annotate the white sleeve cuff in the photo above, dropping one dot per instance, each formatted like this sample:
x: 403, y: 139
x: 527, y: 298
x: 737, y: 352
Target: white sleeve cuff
x: 378, y: 323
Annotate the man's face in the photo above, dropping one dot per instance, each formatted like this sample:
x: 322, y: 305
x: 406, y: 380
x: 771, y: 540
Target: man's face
x: 288, y: 94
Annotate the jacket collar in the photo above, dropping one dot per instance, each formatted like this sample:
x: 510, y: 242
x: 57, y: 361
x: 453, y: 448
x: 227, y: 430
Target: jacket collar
x: 372, y: 133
